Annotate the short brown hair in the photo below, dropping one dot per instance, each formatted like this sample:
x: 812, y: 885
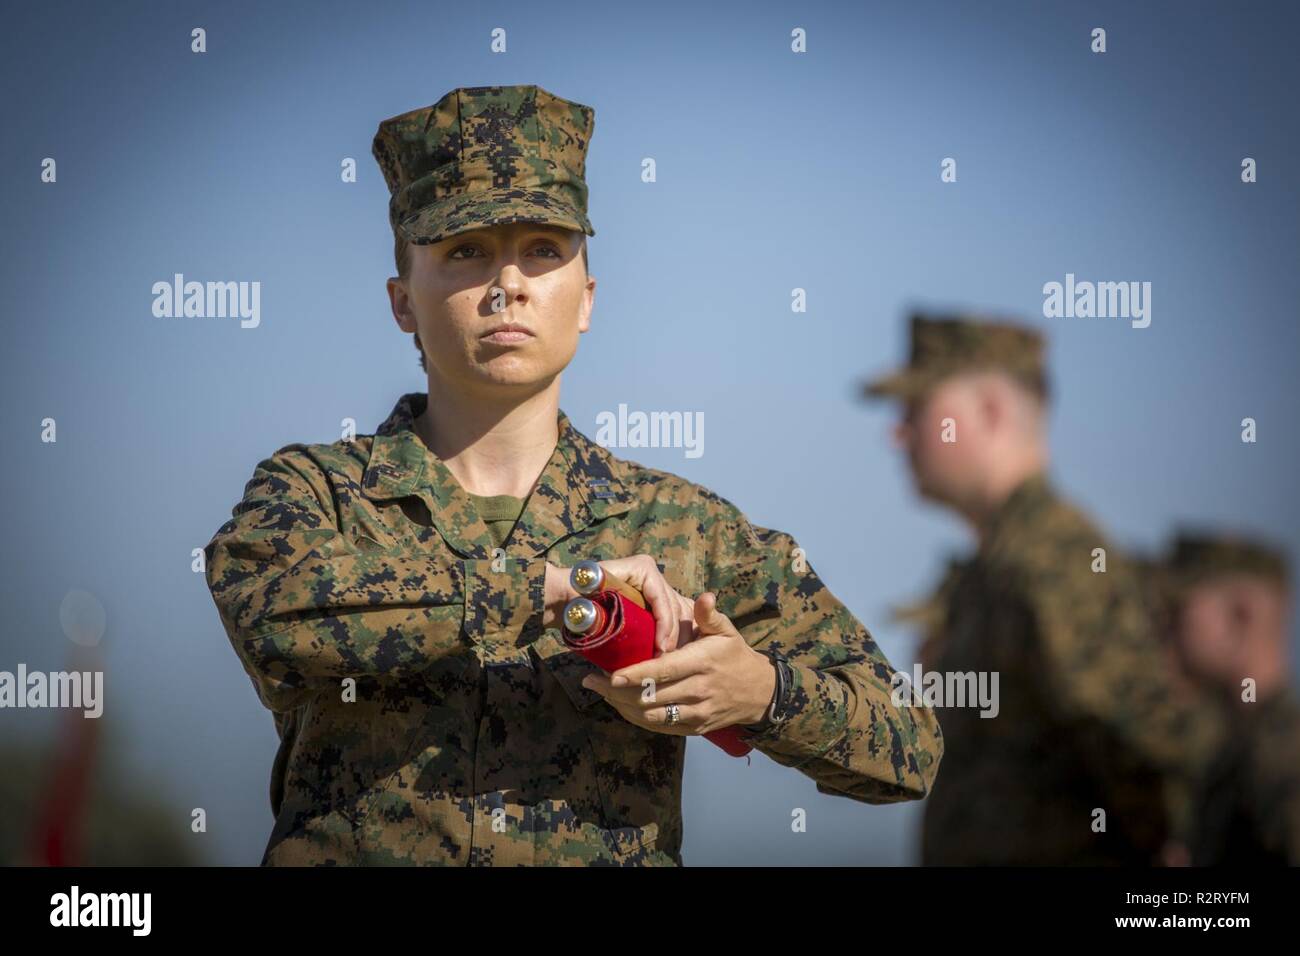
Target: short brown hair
x: 402, y: 257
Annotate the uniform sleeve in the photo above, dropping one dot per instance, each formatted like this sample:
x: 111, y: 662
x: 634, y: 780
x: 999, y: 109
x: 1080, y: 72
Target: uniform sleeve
x: 843, y: 729
x: 304, y: 605
x: 1103, y: 665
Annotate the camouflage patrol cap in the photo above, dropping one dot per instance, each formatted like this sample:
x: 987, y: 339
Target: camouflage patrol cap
x: 484, y: 156
x: 945, y: 345
x: 1196, y: 557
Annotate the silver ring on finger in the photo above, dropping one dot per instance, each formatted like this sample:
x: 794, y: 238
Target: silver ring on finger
x: 674, y: 713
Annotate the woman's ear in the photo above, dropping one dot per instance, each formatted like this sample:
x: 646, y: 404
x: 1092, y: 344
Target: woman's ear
x: 400, y: 302
x: 588, y: 303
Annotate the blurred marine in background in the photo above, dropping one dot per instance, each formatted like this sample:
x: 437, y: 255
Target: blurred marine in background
x: 1230, y: 605
x: 1092, y: 752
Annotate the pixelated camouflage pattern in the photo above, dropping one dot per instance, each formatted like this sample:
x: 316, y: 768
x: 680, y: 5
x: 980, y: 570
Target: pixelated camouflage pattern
x: 1153, y: 575
x: 1089, y: 715
x: 483, y: 156
x: 1195, y: 557
x: 943, y: 346
x: 472, y: 740
x: 1248, y: 811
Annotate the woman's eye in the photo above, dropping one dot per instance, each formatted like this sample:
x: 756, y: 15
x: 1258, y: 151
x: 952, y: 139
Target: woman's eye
x: 471, y: 251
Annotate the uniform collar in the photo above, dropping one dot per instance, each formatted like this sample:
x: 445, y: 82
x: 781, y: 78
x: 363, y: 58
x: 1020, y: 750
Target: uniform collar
x: 1019, y: 508
x: 581, y: 483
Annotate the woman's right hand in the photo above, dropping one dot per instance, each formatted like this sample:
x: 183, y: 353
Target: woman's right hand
x: 674, y: 614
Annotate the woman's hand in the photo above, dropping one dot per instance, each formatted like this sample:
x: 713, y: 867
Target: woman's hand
x: 674, y: 614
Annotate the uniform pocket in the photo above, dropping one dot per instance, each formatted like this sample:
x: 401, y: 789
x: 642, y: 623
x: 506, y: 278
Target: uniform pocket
x: 367, y: 543
x: 638, y: 781
x: 632, y: 845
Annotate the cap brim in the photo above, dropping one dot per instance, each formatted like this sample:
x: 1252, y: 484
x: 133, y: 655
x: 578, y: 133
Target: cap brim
x: 904, y: 383
x: 492, y: 207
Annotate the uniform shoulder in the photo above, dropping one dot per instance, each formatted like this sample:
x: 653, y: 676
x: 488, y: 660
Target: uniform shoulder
x: 715, y: 524
x: 1067, y: 524
x: 348, y: 456
x: 710, y: 541
x: 659, y: 492
x: 1049, y: 540
x: 324, y: 467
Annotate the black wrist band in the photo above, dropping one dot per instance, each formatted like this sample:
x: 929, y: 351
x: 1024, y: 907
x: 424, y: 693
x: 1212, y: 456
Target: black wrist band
x: 781, y: 687
x: 785, y: 681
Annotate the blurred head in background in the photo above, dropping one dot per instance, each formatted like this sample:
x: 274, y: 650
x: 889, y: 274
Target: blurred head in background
x: 1231, y: 603
x: 973, y: 418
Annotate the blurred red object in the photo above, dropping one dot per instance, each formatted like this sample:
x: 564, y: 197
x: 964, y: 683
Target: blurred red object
x: 62, y: 807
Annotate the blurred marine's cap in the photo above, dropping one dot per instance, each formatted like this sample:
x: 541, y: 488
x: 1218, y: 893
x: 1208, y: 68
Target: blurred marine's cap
x: 483, y: 156
x: 944, y: 345
x: 1196, y: 557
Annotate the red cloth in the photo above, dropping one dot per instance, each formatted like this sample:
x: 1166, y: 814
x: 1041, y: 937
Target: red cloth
x: 624, y: 634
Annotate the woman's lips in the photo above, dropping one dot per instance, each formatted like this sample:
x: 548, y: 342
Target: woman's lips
x: 507, y: 337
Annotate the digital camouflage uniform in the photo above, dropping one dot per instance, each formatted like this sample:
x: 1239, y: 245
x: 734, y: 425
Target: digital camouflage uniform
x: 1247, y: 812
x: 1088, y: 716
x: 471, y: 740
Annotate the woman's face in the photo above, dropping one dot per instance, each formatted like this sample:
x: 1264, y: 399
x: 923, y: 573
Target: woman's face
x: 461, y: 291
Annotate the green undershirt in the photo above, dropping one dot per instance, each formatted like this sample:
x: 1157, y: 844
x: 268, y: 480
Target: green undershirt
x: 499, y: 513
